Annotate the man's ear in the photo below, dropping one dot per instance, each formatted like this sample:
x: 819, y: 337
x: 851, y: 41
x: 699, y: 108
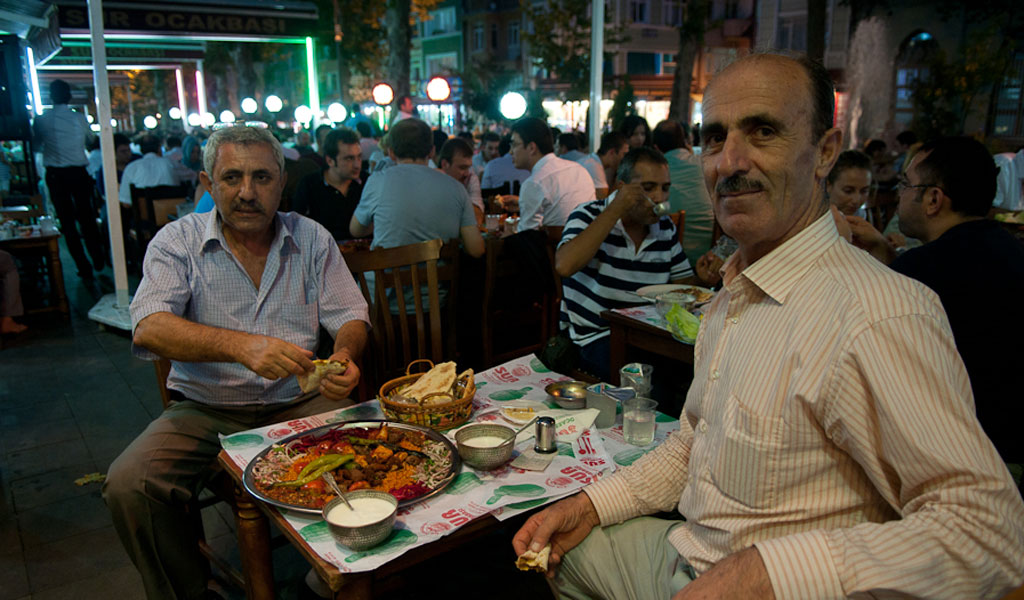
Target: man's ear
x: 934, y: 201
x: 829, y: 147
x: 204, y: 178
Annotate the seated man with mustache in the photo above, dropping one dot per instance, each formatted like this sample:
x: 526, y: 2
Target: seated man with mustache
x: 235, y: 298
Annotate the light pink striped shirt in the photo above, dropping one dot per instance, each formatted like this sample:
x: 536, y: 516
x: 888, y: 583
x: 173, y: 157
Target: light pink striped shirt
x: 831, y: 423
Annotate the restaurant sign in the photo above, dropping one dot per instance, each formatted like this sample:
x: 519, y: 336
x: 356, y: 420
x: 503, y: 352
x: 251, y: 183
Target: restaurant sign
x: 180, y: 22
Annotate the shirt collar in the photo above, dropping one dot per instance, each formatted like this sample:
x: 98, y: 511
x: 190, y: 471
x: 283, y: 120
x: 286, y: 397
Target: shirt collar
x: 543, y: 161
x: 213, y: 232
x: 778, y: 271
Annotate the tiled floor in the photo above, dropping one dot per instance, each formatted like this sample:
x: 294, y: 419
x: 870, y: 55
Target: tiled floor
x: 71, y: 397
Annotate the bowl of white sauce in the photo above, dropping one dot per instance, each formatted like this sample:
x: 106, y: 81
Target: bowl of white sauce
x: 368, y: 523
x: 485, y: 446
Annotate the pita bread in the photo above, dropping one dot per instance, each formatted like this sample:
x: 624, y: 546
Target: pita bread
x: 309, y: 382
x: 438, y: 379
x: 534, y: 561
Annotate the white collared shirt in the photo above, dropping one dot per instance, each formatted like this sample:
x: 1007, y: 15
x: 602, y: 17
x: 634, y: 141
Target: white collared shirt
x: 149, y: 171
x: 554, y: 188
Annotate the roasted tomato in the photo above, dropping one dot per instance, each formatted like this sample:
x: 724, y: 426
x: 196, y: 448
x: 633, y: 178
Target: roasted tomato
x: 324, y: 447
x: 342, y: 448
x: 359, y: 485
x: 316, y: 485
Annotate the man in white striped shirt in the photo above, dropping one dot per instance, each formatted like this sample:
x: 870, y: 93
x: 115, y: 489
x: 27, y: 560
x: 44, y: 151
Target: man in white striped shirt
x: 828, y: 446
x: 235, y: 298
x: 612, y: 247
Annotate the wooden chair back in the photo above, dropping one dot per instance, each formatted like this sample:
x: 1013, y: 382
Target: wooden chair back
x: 415, y: 331
x: 679, y: 220
x: 501, y: 271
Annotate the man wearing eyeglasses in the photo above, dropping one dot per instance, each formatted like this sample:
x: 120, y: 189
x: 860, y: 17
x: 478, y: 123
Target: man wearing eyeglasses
x: 974, y: 265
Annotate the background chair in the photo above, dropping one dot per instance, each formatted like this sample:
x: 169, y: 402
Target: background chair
x: 404, y: 332
x: 152, y: 208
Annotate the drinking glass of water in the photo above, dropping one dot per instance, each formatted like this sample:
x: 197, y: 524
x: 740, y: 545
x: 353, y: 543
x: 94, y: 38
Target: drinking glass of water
x: 638, y: 421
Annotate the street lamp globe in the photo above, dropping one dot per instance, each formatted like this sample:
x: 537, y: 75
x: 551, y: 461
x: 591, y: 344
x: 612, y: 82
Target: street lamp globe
x: 174, y: 112
x: 512, y: 106
x: 149, y: 122
x: 303, y: 114
x: 249, y: 106
x: 209, y: 119
x: 382, y: 94
x: 336, y: 112
x: 438, y: 89
x: 194, y: 119
x: 273, y: 103
x: 226, y: 116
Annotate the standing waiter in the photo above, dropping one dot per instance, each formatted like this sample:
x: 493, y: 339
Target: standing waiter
x: 62, y: 133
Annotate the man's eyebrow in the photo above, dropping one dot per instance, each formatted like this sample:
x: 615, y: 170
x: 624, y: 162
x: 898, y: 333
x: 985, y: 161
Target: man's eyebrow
x: 709, y: 129
x: 760, y: 120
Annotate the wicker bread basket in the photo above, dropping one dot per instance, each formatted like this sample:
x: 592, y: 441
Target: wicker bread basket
x: 438, y: 416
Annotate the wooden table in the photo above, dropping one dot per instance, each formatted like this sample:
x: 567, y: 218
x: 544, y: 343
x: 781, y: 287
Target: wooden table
x: 254, y: 546
x: 627, y: 333
x: 48, y: 242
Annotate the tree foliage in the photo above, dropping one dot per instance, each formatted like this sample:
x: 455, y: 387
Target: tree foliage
x: 624, y: 104
x: 484, y: 82
x: 559, y: 41
x: 946, y: 94
x: 696, y: 14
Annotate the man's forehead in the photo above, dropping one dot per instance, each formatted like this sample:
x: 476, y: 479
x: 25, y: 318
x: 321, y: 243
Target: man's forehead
x: 762, y: 85
x: 250, y: 156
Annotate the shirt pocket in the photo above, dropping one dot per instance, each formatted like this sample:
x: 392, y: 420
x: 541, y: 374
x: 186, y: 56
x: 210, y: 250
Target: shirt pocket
x: 297, y: 323
x: 745, y: 464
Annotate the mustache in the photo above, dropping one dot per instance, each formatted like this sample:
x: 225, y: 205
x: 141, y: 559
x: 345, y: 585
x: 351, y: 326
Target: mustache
x: 248, y: 206
x: 736, y: 184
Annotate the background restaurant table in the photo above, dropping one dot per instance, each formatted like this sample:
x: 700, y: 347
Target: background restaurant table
x: 495, y: 495
x: 641, y: 327
x: 40, y: 244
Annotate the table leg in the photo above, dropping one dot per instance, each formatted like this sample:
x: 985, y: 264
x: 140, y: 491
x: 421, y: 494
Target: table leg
x: 254, y: 547
x: 57, y: 277
x: 357, y: 586
x: 616, y: 353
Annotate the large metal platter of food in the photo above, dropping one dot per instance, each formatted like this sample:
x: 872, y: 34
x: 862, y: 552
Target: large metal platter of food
x: 411, y: 463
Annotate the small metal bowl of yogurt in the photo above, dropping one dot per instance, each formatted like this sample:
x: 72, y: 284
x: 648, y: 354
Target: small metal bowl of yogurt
x: 485, y: 446
x: 368, y: 523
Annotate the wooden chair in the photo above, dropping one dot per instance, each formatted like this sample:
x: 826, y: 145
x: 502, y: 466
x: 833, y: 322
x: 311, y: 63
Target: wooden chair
x: 503, y: 274
x: 219, y: 484
x: 415, y: 331
x: 152, y: 208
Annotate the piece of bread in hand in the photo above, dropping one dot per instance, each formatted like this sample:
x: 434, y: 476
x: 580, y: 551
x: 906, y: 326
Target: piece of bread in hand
x: 534, y: 561
x: 310, y: 381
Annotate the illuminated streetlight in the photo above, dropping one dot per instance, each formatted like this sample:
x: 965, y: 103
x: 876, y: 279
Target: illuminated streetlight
x: 149, y: 122
x: 438, y: 89
x: 113, y: 122
x: 512, y: 105
x: 95, y: 127
x: 273, y: 103
x: 226, y: 116
x: 209, y: 119
x: 383, y: 94
x: 303, y: 114
x: 250, y: 106
x: 194, y: 120
x: 336, y: 112
x: 89, y: 118
x: 174, y: 113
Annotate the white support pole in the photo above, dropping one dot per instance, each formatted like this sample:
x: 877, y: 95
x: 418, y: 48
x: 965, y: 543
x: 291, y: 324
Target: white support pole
x: 314, y: 81
x: 102, y: 85
x: 181, y: 100
x: 201, y: 89
x: 596, y: 72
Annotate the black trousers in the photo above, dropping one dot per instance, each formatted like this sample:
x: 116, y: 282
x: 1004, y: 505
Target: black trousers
x: 71, y: 191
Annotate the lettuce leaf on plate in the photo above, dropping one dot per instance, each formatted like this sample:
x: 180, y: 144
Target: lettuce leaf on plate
x: 683, y: 324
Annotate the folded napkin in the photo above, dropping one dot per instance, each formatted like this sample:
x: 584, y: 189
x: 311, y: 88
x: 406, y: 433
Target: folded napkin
x: 569, y: 424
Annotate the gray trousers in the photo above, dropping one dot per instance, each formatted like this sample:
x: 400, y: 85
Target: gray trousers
x: 10, y: 290
x: 149, y: 485
x: 629, y: 561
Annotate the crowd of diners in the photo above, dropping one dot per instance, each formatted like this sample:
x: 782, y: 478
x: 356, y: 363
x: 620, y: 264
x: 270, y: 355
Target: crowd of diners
x: 851, y: 428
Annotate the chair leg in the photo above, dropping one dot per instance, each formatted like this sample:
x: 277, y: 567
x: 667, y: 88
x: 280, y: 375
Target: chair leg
x: 254, y: 542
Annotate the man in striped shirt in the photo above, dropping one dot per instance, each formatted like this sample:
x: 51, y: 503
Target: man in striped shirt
x: 828, y: 447
x: 612, y: 247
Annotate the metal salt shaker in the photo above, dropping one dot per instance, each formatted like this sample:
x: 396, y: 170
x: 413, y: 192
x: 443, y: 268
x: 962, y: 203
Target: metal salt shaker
x: 544, y: 433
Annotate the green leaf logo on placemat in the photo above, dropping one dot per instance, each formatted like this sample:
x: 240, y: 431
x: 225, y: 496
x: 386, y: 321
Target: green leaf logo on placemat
x: 480, y: 384
x: 628, y: 457
x: 463, y: 483
x: 242, y: 440
x: 505, y: 395
x: 317, y: 532
x: 537, y: 366
x: 528, y: 503
x: 566, y: 450
x: 398, y: 539
x: 525, y: 490
x: 662, y: 418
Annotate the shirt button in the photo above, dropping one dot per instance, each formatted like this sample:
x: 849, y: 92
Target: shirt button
x: 715, y: 375
x: 703, y: 426
x: 734, y: 320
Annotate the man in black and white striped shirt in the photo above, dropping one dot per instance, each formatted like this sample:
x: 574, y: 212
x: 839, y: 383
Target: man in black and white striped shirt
x: 612, y: 247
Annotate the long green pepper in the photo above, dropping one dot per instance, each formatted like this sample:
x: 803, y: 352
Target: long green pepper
x: 333, y: 463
